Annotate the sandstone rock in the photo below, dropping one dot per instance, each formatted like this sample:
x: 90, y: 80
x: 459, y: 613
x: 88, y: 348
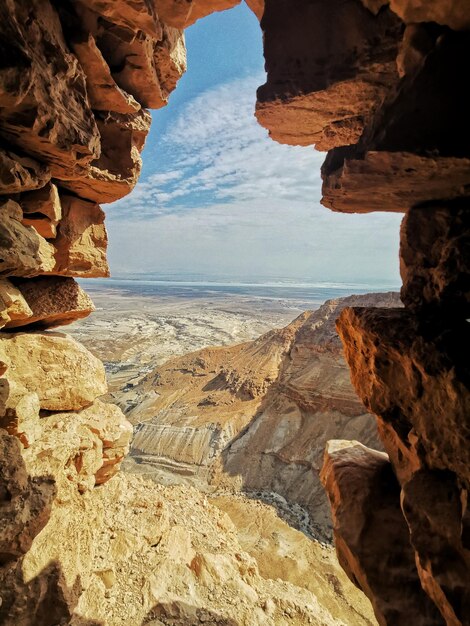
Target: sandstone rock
x: 20, y: 173
x: 13, y: 306
x: 42, y: 210
x: 25, y: 503
x: 175, y: 13
x: 371, y: 535
x: 409, y: 154
x: 415, y: 378
x: 453, y: 13
x: 314, y: 94
x: 132, y: 54
x: 443, y: 562
x: 52, y: 301
x: 257, y: 6
x: 201, y: 8
x: 19, y: 412
x: 81, y: 240
x: 61, y: 371
x: 434, y: 259
x: 23, y: 252
x: 103, y: 92
x: 115, y: 173
x: 170, y: 59
x: 89, y: 444
x: 389, y: 181
x: 136, y: 15
x: 43, y: 104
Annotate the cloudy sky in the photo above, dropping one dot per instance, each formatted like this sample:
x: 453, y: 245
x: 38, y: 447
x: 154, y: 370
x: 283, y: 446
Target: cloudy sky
x: 219, y: 200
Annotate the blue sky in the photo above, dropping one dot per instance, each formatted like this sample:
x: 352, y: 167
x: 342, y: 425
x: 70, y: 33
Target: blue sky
x: 219, y: 199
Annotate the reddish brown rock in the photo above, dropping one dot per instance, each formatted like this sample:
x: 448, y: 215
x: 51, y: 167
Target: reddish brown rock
x: 416, y: 379
x: 436, y: 509
x: 130, y: 56
x: 175, y: 13
x: 201, y: 8
x: 314, y: 94
x: 20, y: 173
x: 43, y: 104
x: 371, y: 535
x: 103, y: 92
x: 389, y: 181
x: 53, y: 301
x: 257, y: 6
x: 136, y: 15
x: 170, y: 58
x: 435, y: 259
x: 116, y: 172
x: 453, y: 13
x: 410, y: 153
x: 81, y: 240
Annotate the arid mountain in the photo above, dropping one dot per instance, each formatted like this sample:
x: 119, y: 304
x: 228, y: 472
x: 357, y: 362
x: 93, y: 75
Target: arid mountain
x: 256, y: 416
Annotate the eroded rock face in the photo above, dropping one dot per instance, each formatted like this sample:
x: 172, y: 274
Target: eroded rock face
x: 255, y: 417
x: 314, y: 94
x: 365, y: 500
x: 61, y: 371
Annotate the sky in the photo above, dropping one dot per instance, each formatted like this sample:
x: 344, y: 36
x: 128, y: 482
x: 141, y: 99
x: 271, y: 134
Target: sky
x: 219, y: 200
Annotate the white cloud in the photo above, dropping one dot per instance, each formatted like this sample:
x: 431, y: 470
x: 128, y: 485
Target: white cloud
x: 225, y: 199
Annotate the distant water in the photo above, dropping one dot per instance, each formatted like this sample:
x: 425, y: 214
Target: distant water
x: 306, y: 292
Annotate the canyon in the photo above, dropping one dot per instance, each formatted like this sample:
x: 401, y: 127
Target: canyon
x: 379, y: 86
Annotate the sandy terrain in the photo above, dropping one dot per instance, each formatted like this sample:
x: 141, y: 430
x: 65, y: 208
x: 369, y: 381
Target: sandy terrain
x: 132, y: 334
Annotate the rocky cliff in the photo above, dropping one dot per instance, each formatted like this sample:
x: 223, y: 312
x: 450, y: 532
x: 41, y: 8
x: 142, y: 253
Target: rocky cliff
x: 255, y: 416
x: 377, y: 83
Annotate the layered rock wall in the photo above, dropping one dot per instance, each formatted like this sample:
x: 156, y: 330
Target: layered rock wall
x: 379, y: 85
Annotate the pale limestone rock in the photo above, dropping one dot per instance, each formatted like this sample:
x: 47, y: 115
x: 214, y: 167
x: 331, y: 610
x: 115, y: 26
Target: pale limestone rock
x: 19, y: 411
x: 371, y: 535
x: 52, y: 301
x: 43, y: 105
x: 61, y: 371
x: 19, y: 173
x: 103, y: 92
x: 81, y: 240
x: 23, y: 252
x: 13, y: 306
x: 25, y: 503
x: 89, y: 444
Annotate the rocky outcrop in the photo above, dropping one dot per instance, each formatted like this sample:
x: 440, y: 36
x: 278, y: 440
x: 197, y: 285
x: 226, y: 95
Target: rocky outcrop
x: 365, y: 500
x: 256, y: 416
x: 377, y: 83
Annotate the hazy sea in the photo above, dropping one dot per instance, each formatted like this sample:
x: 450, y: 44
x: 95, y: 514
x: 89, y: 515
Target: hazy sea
x: 309, y: 293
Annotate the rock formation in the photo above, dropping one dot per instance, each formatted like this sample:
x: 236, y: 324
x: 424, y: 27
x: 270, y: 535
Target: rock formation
x: 255, y: 416
x: 378, y: 83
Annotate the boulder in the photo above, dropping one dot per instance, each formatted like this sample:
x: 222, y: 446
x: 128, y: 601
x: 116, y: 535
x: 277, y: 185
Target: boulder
x: 42, y: 210
x: 13, y: 306
x: 52, y: 301
x: 371, y: 534
x: 19, y: 173
x: 64, y: 375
